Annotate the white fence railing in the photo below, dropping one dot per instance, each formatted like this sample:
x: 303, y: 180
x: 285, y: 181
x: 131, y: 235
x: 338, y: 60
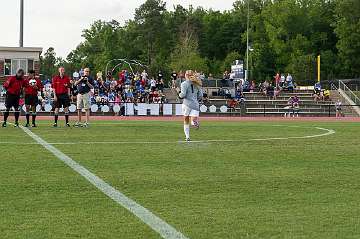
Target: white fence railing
x: 349, y: 93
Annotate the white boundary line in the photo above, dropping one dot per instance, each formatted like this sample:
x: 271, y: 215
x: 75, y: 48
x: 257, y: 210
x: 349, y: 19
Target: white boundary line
x: 326, y: 133
x: 157, y: 224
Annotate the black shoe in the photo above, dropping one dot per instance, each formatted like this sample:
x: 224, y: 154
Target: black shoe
x: 16, y: 125
x: 67, y: 125
x: 55, y: 125
x: 34, y: 125
x: 4, y: 125
x: 188, y: 140
x: 27, y: 125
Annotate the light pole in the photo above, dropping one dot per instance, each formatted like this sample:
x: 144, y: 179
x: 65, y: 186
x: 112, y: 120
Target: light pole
x: 247, y: 40
x: 21, y: 41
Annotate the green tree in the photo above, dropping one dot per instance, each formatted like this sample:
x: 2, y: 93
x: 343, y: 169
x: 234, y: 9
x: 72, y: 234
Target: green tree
x: 48, y: 63
x: 348, y: 32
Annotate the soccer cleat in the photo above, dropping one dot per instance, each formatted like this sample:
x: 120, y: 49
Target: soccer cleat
x: 16, y: 125
x: 27, y: 125
x: 86, y: 125
x: 33, y: 125
x: 55, y: 125
x: 4, y: 125
x: 188, y: 140
x: 196, y: 124
x: 67, y: 125
x: 77, y: 125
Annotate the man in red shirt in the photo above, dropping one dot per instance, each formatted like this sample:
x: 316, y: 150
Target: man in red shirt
x: 13, y: 86
x: 61, y: 88
x: 32, y: 86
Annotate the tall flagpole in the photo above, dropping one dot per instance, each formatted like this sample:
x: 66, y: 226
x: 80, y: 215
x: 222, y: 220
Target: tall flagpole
x: 21, y: 41
x: 247, y: 41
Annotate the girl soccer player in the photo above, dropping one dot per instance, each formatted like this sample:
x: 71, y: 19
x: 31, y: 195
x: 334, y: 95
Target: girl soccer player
x: 191, y: 94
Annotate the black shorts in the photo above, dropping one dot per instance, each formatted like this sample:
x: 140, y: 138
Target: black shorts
x: 12, y: 101
x: 63, y: 101
x: 31, y: 100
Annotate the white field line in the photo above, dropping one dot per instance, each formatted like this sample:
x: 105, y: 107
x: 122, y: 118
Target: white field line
x: 157, y: 224
x: 327, y: 132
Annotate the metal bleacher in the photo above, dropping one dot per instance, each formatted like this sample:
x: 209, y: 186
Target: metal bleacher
x: 257, y: 104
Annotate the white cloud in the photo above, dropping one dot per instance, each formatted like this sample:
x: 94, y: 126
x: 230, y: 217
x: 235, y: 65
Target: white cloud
x: 59, y: 23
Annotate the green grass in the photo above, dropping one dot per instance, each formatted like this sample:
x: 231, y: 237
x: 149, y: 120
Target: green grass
x: 298, y: 188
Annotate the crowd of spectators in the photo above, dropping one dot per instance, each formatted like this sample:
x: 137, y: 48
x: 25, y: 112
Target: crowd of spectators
x: 126, y: 88
x: 321, y: 94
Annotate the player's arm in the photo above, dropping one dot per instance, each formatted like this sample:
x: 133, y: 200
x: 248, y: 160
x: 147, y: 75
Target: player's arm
x: 53, y: 89
x: 7, y: 83
x: 68, y: 87
x: 182, y: 93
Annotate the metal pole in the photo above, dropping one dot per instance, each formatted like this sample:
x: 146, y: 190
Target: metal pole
x: 21, y: 41
x: 247, y: 40
x: 318, y: 68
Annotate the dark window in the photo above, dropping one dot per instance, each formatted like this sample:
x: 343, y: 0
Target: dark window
x: 7, y: 67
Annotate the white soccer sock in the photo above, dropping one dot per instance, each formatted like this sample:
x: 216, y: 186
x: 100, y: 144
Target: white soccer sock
x: 187, y: 130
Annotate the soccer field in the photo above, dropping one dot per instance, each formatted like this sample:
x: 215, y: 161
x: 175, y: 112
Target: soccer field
x: 236, y: 180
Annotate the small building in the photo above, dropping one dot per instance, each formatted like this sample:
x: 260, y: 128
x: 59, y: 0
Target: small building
x: 13, y: 58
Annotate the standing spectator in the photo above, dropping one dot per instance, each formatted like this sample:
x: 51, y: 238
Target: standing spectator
x: 289, y: 106
x: 338, y: 107
x: 282, y: 81
x: 61, y: 88
x: 174, y: 76
x: 225, y: 79
x: 13, y: 86
x: 296, y: 106
x: 289, y: 78
x: 160, y: 76
x: 160, y: 85
x: 277, y: 79
x: 84, y: 86
x: 153, y: 84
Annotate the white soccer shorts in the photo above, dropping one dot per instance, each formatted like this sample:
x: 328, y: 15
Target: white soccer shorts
x: 189, y: 112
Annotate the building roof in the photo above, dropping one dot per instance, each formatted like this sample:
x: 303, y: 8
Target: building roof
x: 21, y: 49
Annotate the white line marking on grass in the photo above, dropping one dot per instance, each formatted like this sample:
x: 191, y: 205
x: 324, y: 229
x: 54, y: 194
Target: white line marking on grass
x: 326, y: 133
x: 156, y: 223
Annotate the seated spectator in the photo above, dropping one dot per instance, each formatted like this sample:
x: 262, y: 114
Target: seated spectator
x: 246, y: 86
x: 233, y: 104
x: 252, y: 86
x: 270, y: 90
x: 326, y: 95
x: 239, y: 96
x: 205, y: 98
x: 290, y: 86
x: 277, y: 92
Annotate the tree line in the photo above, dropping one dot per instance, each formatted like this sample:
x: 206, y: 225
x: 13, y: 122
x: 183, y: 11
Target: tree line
x: 285, y: 36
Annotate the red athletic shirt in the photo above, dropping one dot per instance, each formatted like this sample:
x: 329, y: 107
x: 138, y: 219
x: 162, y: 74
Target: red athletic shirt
x: 60, y: 85
x: 31, y: 90
x: 13, y: 85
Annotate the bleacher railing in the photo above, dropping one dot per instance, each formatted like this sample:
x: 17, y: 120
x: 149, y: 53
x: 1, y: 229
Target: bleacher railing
x: 348, y: 92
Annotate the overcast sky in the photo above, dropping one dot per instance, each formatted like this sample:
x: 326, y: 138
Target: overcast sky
x: 58, y: 23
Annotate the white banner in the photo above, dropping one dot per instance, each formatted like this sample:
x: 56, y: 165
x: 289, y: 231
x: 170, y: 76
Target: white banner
x: 179, y: 109
x: 154, y: 109
x: 167, y: 109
